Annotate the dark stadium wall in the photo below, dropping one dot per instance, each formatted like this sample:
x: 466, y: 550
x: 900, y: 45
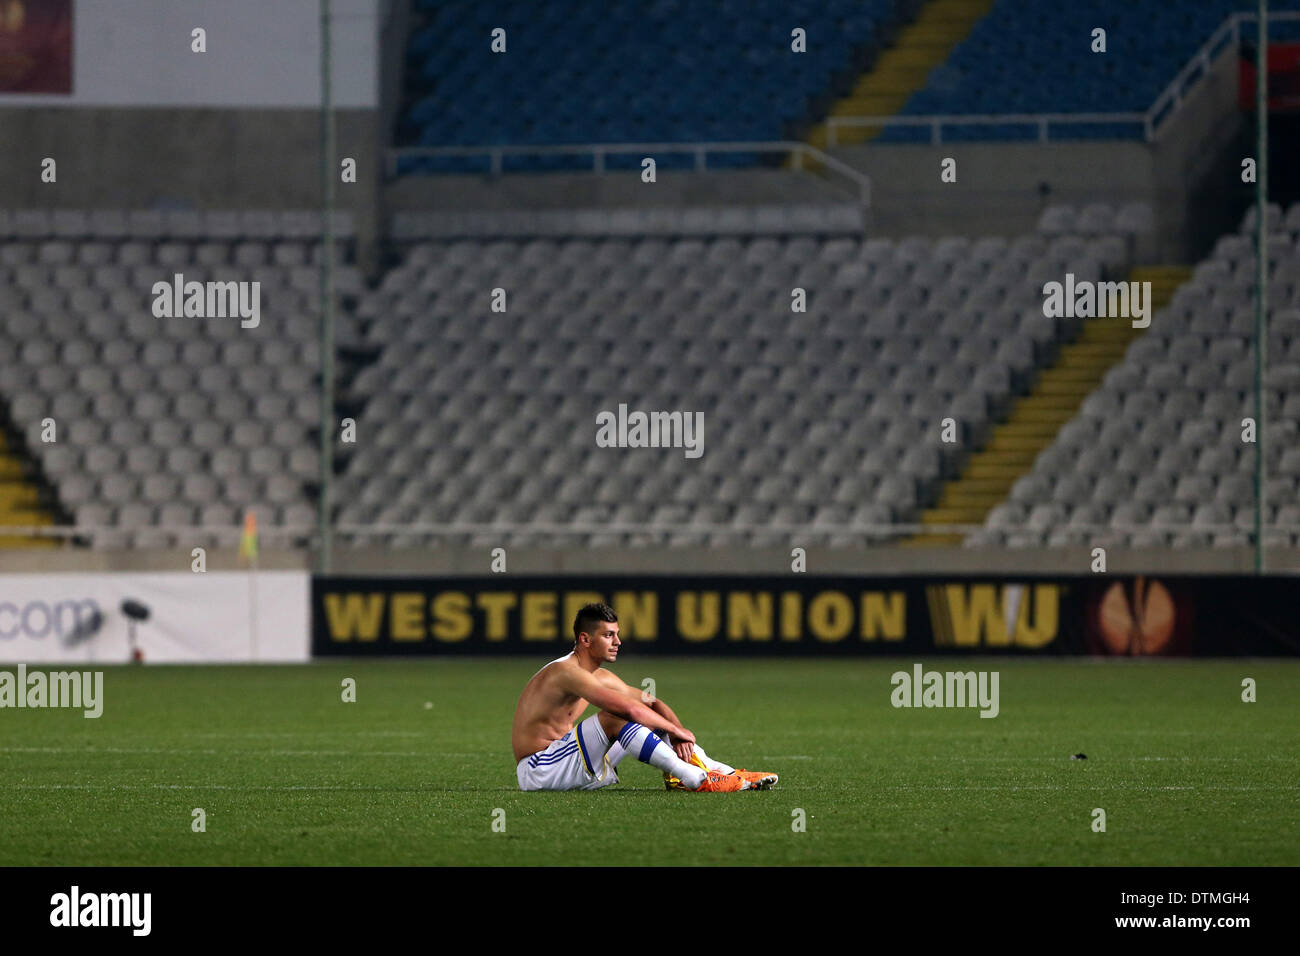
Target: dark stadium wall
x: 1283, y: 147
x: 217, y: 158
x: 1220, y: 198
x: 466, y: 193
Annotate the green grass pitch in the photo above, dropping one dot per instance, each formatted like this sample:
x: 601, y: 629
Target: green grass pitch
x: 287, y: 773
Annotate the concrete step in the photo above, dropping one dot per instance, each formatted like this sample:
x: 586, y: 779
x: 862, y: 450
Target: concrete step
x: 935, y: 33
x: 903, y: 68
x: 1024, y: 427
x: 26, y: 516
x: 1077, y: 352
x: 973, y: 502
x: 952, y: 516
x: 1080, y: 372
x: 17, y: 494
x: 1078, y: 389
x: 1019, y: 443
x: 992, y: 468
x: 17, y: 542
x: 880, y: 101
x: 915, y: 55
x: 931, y: 541
x: 988, y: 486
x: 897, y: 80
x: 1018, y: 456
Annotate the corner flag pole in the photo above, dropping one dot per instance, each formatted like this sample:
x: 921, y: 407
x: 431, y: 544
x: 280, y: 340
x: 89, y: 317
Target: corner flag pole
x: 248, y: 553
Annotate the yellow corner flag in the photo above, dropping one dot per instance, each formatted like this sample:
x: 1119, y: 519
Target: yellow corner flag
x: 248, y: 540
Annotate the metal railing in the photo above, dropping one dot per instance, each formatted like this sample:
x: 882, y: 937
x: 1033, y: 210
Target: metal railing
x: 1164, y: 106
x: 297, y: 533
x: 1042, y: 121
x: 598, y: 152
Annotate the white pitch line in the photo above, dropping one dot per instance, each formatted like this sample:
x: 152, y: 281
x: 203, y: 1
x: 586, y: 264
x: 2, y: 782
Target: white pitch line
x: 1039, y: 734
x: 1097, y: 787
x: 308, y: 733
x: 90, y: 752
x: 218, y: 786
x: 200, y: 786
x: 1110, y: 758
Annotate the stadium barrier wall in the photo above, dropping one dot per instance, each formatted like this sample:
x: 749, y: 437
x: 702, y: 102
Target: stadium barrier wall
x: 1107, y: 615
x: 454, y: 559
x: 228, y: 617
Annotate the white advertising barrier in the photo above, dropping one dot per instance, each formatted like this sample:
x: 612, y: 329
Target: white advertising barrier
x: 235, y: 616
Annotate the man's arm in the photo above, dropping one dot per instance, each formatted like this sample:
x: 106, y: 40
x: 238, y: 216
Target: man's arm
x: 679, y: 744
x: 579, y: 682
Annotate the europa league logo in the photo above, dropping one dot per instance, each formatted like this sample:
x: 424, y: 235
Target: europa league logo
x: 1136, y: 619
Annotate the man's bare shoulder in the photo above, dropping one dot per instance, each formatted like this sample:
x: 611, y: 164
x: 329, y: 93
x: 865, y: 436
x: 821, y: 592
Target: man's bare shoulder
x: 550, y: 671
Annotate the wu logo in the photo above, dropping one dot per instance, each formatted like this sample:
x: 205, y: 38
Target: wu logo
x: 992, y: 615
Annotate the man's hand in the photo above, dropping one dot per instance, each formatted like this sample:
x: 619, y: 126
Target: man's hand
x: 681, y: 746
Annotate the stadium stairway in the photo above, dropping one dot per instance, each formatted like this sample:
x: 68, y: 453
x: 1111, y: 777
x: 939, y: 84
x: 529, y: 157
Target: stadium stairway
x: 990, y: 473
x: 902, y: 69
x: 20, y: 499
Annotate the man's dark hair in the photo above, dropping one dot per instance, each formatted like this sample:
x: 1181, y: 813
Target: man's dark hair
x: 590, y: 615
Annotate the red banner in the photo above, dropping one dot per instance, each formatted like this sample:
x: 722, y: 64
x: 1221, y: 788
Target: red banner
x: 35, y: 46
x: 1283, y: 79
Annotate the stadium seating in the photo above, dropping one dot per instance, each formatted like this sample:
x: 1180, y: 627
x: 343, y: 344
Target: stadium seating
x: 625, y: 71
x: 1031, y: 57
x: 1156, y: 453
x: 828, y: 420
x: 165, y: 423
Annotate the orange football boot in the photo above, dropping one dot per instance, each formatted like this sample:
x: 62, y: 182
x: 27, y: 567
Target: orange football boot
x: 758, y: 780
x: 717, y: 782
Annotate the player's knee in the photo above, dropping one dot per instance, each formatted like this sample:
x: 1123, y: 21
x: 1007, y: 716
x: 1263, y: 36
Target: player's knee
x: 612, y: 724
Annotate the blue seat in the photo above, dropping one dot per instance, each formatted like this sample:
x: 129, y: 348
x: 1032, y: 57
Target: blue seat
x: 1026, y: 58
x: 641, y: 73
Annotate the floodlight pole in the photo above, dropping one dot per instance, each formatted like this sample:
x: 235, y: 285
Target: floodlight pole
x: 327, y: 151
x: 1261, y: 276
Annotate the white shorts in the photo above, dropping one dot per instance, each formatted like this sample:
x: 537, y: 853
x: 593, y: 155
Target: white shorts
x: 577, y: 761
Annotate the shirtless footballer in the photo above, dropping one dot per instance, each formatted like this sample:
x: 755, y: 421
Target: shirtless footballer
x: 552, y: 754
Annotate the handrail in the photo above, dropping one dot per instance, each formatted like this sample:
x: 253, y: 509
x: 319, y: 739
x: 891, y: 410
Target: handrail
x: 598, y: 152
x: 1201, y: 59
x: 1164, y: 106
x: 936, y: 122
